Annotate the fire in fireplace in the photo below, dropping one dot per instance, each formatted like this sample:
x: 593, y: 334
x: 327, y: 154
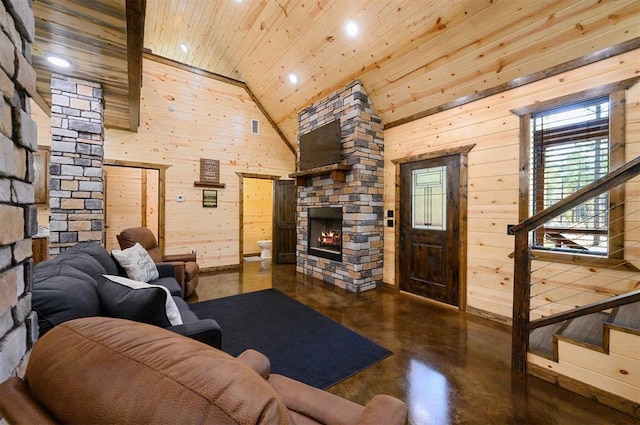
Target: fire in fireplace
x: 325, y: 233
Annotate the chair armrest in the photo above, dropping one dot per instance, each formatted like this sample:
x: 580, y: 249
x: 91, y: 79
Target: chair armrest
x: 256, y: 361
x: 180, y: 257
x: 384, y: 409
x: 18, y: 407
x: 204, y: 330
x: 319, y: 405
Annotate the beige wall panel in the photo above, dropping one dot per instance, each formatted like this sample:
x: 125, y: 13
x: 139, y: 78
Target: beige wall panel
x: 589, y: 377
x: 493, y: 281
x: 493, y: 169
x: 608, y: 365
x: 624, y: 344
x: 489, y: 300
x: 43, y: 123
x: 489, y: 253
x: 124, y: 202
x: 152, y: 200
x: 488, y: 239
x: 257, y: 213
x: 211, y: 120
x: 491, y: 225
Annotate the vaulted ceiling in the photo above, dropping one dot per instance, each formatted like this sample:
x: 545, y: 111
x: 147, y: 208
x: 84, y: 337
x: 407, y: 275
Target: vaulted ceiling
x: 412, y: 56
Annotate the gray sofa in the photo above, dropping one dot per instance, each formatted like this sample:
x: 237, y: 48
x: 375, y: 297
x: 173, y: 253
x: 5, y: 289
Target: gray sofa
x: 72, y: 285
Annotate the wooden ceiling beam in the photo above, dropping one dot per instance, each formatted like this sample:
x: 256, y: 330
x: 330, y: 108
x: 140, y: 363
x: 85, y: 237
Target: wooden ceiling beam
x: 39, y: 100
x: 135, y: 10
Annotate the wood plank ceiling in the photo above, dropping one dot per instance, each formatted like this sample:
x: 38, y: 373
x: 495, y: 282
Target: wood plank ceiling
x: 412, y: 56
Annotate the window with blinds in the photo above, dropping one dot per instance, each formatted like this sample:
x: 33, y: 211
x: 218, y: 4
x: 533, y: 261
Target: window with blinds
x: 569, y: 150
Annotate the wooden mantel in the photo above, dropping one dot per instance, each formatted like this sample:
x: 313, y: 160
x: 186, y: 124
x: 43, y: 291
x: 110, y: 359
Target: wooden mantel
x: 338, y: 172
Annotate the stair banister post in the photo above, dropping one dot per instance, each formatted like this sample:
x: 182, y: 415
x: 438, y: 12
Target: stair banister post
x: 521, y: 302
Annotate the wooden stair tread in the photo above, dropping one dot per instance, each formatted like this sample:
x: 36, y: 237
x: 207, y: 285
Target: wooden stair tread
x: 627, y: 316
x: 541, y: 340
x: 586, y: 329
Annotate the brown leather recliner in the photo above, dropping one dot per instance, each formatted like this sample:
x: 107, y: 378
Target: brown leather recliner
x: 103, y: 370
x: 185, y: 264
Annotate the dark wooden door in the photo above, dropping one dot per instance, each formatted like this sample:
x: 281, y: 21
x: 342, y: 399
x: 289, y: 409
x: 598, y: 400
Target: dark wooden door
x: 284, y: 222
x: 429, y: 231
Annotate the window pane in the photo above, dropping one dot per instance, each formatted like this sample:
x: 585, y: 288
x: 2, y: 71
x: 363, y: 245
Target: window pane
x: 570, y: 150
x: 429, y: 199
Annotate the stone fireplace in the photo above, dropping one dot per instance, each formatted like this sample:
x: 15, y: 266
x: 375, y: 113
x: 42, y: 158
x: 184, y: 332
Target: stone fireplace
x: 343, y: 200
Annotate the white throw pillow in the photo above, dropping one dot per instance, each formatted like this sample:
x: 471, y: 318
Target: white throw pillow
x: 137, y: 262
x: 127, y: 303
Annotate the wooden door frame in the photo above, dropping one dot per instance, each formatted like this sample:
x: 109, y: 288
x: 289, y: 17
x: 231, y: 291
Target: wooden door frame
x: 243, y: 176
x: 162, y: 171
x: 462, y: 153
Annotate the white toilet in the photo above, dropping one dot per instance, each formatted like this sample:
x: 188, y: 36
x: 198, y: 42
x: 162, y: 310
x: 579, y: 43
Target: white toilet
x: 265, y: 246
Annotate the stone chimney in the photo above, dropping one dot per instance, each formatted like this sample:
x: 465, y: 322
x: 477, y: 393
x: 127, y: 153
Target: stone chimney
x: 359, y: 194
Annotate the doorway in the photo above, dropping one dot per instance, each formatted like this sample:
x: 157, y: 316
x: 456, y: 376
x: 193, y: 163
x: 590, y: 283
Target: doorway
x: 267, y: 212
x: 257, y: 214
x: 432, y: 226
x: 134, y: 195
x: 256, y: 208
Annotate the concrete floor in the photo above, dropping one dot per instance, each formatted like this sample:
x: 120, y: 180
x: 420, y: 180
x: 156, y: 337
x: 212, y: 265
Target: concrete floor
x: 450, y: 368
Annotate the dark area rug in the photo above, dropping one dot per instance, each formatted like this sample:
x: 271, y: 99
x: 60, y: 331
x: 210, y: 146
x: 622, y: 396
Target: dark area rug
x: 300, y: 342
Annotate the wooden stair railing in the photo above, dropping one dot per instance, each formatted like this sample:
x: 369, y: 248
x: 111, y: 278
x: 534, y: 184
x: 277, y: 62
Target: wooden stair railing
x: 522, y: 260
x: 613, y: 302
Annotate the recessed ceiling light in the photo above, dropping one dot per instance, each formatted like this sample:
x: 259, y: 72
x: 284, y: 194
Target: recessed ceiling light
x: 352, y: 28
x: 58, y: 61
x: 293, y: 78
x: 184, y: 47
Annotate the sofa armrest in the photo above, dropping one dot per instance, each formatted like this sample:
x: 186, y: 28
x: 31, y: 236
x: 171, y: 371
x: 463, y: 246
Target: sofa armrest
x: 204, y: 330
x: 384, y: 409
x: 179, y: 257
x: 256, y: 361
x: 166, y: 269
x: 18, y: 407
x: 319, y: 405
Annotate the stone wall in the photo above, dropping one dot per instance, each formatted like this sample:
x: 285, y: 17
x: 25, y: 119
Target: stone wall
x: 75, y: 166
x: 18, y: 324
x: 360, y: 196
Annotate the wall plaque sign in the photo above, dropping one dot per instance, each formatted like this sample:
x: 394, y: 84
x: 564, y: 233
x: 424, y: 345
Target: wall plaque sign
x: 209, y: 170
x: 210, y: 198
x: 209, y: 174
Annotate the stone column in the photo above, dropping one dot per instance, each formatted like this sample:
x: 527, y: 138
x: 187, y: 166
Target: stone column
x: 75, y: 166
x: 18, y: 215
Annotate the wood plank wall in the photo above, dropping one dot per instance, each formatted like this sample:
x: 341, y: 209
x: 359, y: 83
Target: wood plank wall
x: 493, y: 174
x: 211, y: 120
x: 43, y: 123
x: 123, y: 202
x: 257, y: 215
x: 131, y: 199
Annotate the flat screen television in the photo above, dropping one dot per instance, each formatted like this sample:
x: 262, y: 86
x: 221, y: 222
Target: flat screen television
x: 320, y: 146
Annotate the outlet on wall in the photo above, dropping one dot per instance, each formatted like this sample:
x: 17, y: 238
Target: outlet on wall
x: 180, y: 198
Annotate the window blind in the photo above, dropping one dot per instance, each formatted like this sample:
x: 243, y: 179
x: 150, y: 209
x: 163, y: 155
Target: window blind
x: 570, y: 149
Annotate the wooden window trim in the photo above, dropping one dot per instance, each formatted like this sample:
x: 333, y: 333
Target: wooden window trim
x: 617, y: 133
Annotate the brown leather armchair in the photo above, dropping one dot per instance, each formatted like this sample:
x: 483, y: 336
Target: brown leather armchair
x: 185, y: 264
x: 104, y: 370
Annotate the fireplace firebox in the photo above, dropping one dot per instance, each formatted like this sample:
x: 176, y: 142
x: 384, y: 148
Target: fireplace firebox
x: 325, y: 233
